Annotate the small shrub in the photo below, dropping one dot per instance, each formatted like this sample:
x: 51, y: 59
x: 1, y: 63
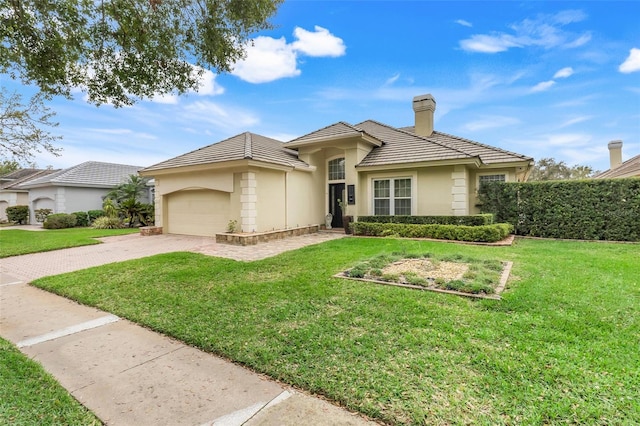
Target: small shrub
x: 484, y: 233
x: 18, y: 214
x: 60, y: 221
x: 106, y: 222
x: 82, y: 218
x: 42, y: 214
x: 94, y: 214
x: 232, y: 226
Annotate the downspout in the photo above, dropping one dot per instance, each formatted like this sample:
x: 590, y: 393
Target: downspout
x: 286, y: 200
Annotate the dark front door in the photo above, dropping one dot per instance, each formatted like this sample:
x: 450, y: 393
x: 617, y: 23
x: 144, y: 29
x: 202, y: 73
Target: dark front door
x: 336, y: 192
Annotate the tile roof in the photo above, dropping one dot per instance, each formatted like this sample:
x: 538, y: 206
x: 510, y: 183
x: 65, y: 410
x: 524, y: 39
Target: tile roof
x: 90, y: 173
x: 11, y: 180
x: 333, y: 131
x: 629, y: 168
x: 401, y: 146
x: 240, y: 147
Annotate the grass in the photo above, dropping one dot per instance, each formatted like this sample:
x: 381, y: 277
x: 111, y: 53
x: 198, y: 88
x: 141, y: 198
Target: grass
x: 14, y: 242
x: 561, y: 347
x: 30, y: 396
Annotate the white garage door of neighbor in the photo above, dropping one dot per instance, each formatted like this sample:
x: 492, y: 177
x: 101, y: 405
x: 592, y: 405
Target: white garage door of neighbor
x: 198, y: 212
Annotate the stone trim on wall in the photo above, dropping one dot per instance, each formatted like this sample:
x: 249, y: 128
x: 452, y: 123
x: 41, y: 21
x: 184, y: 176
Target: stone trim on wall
x: 242, y: 239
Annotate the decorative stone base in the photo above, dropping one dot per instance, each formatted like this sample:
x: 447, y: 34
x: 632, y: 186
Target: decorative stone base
x: 150, y: 230
x: 250, y: 239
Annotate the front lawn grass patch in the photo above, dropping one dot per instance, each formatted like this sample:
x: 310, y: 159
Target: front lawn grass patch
x: 452, y: 272
x: 30, y: 396
x: 14, y: 242
x: 561, y: 347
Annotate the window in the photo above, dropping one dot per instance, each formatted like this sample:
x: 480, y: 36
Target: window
x: 336, y: 169
x: 491, y: 178
x: 392, y: 196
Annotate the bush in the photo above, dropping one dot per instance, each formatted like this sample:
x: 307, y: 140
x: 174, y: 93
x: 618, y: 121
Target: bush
x: 106, y: 222
x: 598, y: 209
x: 60, y: 221
x: 484, y: 233
x: 474, y: 220
x: 82, y: 218
x: 42, y: 214
x: 94, y: 214
x: 18, y: 214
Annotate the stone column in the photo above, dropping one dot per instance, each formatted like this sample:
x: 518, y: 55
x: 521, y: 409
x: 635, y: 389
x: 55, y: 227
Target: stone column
x: 460, y: 191
x: 248, y: 202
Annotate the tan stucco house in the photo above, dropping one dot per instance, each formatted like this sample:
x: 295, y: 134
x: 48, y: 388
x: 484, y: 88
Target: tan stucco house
x: 78, y: 188
x: 10, y: 192
x: 618, y: 168
x: 368, y: 168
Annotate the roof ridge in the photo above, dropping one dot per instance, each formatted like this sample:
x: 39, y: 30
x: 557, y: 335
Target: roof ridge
x: 423, y: 138
x: 248, y: 145
x: 326, y: 127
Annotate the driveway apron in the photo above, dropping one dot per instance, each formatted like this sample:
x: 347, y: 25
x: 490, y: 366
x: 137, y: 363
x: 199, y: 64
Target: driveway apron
x: 129, y: 375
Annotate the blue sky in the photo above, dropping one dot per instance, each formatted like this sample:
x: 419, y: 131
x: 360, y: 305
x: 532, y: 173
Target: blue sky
x: 546, y: 79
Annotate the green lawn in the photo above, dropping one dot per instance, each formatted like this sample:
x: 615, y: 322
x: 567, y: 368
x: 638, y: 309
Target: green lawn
x: 30, y: 396
x: 14, y: 242
x: 561, y: 347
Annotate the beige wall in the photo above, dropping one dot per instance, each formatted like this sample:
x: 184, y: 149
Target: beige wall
x: 271, y: 206
x: 12, y: 198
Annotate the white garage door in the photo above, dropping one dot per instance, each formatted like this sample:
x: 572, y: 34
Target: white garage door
x: 198, y: 212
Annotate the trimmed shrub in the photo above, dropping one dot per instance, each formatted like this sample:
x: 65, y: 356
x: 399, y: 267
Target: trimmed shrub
x: 18, y: 214
x: 82, y: 218
x: 42, y: 214
x: 106, y: 222
x: 598, y: 209
x: 483, y: 233
x: 473, y: 220
x: 59, y: 221
x: 94, y: 214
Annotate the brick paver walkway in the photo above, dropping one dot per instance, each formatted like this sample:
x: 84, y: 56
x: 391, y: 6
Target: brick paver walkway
x: 134, y: 246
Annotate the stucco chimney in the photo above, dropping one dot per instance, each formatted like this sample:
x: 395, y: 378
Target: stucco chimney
x: 424, y: 106
x: 615, y: 154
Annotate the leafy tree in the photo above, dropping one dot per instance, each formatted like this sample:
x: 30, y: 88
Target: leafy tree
x: 550, y: 169
x: 127, y: 195
x: 21, y: 127
x: 119, y: 50
x: 8, y: 166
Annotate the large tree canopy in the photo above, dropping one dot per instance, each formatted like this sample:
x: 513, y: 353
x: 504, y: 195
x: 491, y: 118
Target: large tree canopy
x: 550, y: 169
x: 120, y: 50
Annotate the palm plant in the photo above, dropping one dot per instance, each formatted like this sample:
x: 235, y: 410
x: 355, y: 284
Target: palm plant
x: 127, y: 195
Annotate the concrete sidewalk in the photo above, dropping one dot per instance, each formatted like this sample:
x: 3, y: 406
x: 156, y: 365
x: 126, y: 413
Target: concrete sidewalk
x: 129, y: 375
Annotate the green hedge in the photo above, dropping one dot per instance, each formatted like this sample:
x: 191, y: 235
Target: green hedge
x: 482, y: 233
x: 598, y: 209
x: 475, y: 220
x: 94, y: 214
x: 59, y: 221
x: 82, y: 218
x: 18, y: 214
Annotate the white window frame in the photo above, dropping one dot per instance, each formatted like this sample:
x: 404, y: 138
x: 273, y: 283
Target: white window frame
x: 392, y: 177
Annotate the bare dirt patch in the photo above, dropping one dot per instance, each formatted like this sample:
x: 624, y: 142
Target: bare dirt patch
x: 427, y: 269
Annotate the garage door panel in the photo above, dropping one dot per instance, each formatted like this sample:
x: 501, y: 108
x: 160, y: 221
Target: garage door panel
x: 198, y: 212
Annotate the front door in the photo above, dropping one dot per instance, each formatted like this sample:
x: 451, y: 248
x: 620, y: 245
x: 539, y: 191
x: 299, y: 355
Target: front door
x: 336, y: 193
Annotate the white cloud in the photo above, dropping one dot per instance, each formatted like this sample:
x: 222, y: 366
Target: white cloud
x: 267, y: 59
x: 545, y: 31
x: 392, y: 80
x: 208, y: 85
x: 575, y: 120
x: 202, y: 114
x: 270, y: 59
x: 632, y: 63
x: 564, y: 73
x: 464, y: 23
x: 318, y: 43
x: 541, y: 87
x: 490, y: 122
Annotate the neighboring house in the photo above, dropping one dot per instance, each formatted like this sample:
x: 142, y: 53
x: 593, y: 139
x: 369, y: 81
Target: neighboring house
x: 620, y: 169
x: 78, y: 188
x: 373, y: 168
x: 10, y: 195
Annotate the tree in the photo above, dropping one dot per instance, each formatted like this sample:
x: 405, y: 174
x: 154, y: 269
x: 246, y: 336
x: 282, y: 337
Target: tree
x: 21, y: 127
x: 120, y: 50
x: 8, y: 166
x: 550, y: 169
x: 127, y: 196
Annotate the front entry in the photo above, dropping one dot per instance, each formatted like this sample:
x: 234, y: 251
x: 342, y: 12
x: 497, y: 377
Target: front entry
x: 336, y: 194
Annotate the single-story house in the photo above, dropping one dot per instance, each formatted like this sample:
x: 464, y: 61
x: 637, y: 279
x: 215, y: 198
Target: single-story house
x: 369, y: 168
x: 78, y: 188
x: 10, y: 194
x: 618, y: 168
